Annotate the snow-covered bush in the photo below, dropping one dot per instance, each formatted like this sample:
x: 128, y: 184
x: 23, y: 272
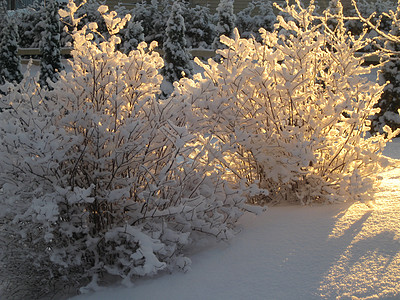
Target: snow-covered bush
x: 379, y: 10
x: 258, y: 14
x: 226, y: 22
x: 50, y: 60
x: 10, y: 62
x: 291, y: 113
x: 176, y: 55
x: 99, y: 175
x: 87, y: 13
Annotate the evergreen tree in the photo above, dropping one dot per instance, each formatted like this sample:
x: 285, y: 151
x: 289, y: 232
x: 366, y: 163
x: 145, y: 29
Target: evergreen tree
x: 153, y: 19
x: 177, y: 58
x: 258, y: 14
x: 50, y: 62
x: 199, y: 26
x: 31, y: 24
x: 10, y: 62
x: 3, y: 7
x: 132, y: 35
x: 226, y: 22
x: 390, y: 99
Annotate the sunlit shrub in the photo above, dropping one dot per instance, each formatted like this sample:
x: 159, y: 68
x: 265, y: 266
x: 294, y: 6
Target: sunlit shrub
x: 291, y: 113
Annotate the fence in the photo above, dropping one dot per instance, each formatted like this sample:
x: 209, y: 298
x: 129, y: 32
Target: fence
x: 201, y: 53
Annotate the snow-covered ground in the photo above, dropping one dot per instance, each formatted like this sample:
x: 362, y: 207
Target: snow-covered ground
x: 341, y: 251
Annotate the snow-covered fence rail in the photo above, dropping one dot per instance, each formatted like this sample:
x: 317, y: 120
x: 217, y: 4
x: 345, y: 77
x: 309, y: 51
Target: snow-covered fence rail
x: 36, y: 51
x: 201, y: 53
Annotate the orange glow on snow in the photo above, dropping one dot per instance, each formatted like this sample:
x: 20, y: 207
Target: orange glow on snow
x: 357, y: 271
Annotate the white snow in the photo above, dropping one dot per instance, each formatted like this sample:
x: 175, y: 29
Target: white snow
x: 341, y: 251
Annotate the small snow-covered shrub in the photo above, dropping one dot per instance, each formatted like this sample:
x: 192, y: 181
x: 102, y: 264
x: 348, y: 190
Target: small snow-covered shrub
x: 378, y: 10
x: 291, y: 113
x: 87, y: 13
x: 176, y: 55
x: 99, y: 175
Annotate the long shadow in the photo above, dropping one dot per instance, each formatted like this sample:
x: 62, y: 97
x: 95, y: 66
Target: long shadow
x: 364, y: 267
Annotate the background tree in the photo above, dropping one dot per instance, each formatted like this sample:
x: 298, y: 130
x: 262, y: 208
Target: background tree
x: 389, y: 103
x: 258, y: 14
x: 153, y: 16
x: 390, y: 73
x: 176, y: 56
x: 226, y: 22
x: 200, y: 29
x: 132, y: 35
x: 31, y: 23
x: 10, y: 62
x: 3, y: 8
x: 50, y: 61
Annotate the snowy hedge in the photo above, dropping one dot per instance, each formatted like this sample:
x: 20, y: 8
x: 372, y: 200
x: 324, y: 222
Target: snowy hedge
x: 291, y: 113
x: 100, y: 176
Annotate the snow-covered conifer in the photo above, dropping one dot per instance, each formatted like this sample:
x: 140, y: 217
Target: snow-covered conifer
x: 3, y: 8
x: 199, y: 26
x: 132, y: 35
x: 258, y: 14
x: 31, y: 23
x: 10, y: 62
x: 389, y: 103
x: 176, y: 56
x: 153, y: 16
x: 226, y: 22
x: 50, y: 61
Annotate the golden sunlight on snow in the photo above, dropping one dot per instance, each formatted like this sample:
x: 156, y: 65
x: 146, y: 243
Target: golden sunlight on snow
x: 370, y: 262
